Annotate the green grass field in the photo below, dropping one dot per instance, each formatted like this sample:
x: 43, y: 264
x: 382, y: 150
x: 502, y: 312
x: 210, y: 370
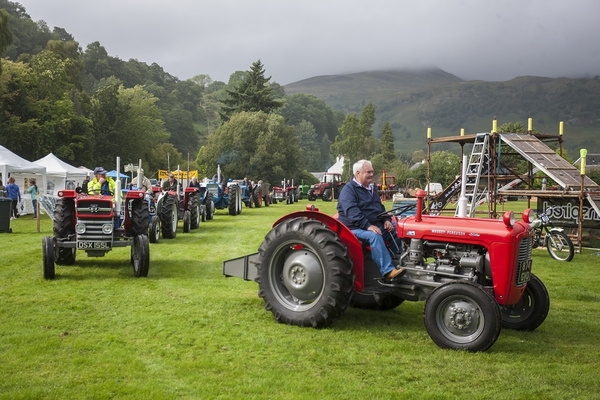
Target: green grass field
x: 187, y: 332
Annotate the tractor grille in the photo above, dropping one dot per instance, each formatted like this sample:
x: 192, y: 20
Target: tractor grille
x: 93, y: 231
x: 524, y: 262
x: 103, y: 209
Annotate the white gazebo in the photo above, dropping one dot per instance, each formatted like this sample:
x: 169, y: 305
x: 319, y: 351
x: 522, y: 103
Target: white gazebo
x: 60, y: 175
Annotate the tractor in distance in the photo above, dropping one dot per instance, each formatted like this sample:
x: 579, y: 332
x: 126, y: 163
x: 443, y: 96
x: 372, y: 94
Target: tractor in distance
x: 328, y: 188
x: 227, y: 196
x: 97, y: 223
x: 474, y: 274
x: 386, y: 186
x: 175, y: 205
x: 287, y: 192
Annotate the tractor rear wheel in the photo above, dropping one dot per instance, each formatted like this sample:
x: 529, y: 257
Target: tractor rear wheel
x: 187, y: 221
x: 234, y: 205
x: 64, y: 226
x: 48, y: 257
x: 531, y: 311
x: 154, y: 230
x: 257, y: 198
x: 267, y: 200
x: 139, y: 217
x: 196, y: 212
x: 140, y: 256
x: 304, y: 273
x: 210, y: 206
x: 168, y: 217
x: 375, y: 301
x: 462, y: 315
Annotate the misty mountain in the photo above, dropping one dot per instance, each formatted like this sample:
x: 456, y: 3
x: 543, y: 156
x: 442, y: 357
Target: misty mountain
x: 413, y: 100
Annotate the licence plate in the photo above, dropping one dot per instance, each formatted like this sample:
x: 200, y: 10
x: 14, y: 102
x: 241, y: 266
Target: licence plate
x: 94, y: 245
x: 523, y: 272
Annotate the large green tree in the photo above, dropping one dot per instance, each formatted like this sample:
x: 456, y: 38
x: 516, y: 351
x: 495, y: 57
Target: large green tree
x: 253, y: 93
x: 127, y: 123
x: 256, y: 145
x: 387, y: 143
x: 355, y: 140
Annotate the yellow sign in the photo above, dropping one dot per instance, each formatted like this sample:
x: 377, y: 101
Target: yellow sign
x: 164, y: 174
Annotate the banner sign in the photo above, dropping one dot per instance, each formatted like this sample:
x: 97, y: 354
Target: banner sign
x: 567, y: 216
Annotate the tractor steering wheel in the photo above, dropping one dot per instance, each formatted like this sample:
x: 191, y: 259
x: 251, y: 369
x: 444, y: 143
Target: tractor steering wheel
x: 398, y: 211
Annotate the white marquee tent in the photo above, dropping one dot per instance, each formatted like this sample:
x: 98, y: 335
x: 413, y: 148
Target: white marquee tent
x: 60, y: 175
x: 21, y: 169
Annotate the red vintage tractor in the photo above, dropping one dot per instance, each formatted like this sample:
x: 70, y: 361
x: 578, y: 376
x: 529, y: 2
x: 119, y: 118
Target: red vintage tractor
x: 96, y: 225
x: 473, y: 274
x: 328, y: 188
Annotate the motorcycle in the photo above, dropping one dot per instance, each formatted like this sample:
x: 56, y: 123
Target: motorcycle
x: 559, y: 245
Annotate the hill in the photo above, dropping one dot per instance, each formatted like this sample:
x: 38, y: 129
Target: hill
x: 414, y: 100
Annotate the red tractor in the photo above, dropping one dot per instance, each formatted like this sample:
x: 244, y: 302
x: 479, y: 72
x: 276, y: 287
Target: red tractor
x: 474, y: 274
x: 96, y: 225
x: 328, y: 188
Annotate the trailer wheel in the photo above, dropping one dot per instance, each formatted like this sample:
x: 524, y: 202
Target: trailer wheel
x: 304, y: 273
x: 140, y: 256
x: 195, y: 211
x: 531, y: 311
x: 154, y: 230
x: 375, y: 301
x: 48, y: 257
x: 461, y: 315
x: 187, y: 221
x: 210, y: 206
x: 168, y: 217
x: 64, y: 216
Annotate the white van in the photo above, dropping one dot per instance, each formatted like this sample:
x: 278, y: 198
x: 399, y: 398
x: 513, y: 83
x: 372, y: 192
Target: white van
x: 432, y: 189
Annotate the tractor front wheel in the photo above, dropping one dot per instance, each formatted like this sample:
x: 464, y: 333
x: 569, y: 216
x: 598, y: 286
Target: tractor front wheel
x: 531, y: 311
x: 461, y: 315
x: 187, y: 221
x: 154, y: 230
x: 48, y: 257
x: 327, y: 195
x: 210, y: 206
x: 140, y: 256
x: 304, y: 273
x: 311, y: 195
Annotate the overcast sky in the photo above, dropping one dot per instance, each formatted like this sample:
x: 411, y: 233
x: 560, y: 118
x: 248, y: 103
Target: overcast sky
x: 298, y: 39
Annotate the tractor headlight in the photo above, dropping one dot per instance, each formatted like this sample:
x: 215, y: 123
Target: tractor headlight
x: 509, y: 219
x: 528, y: 215
x: 107, y: 229
x: 80, y: 228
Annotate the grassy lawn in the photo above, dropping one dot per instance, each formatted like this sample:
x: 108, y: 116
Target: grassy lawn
x: 187, y: 332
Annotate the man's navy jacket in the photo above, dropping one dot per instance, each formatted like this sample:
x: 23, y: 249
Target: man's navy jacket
x: 359, y: 207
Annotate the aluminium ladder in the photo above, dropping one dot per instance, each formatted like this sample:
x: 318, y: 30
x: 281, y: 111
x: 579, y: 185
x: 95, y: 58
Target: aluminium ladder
x: 478, y: 162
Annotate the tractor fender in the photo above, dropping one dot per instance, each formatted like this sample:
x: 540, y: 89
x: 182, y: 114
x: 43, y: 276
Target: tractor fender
x: 353, y: 245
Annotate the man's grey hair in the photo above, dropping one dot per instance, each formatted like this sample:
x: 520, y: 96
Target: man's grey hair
x: 359, y: 165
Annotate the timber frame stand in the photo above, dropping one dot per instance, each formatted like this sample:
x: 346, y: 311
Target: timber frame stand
x: 489, y: 179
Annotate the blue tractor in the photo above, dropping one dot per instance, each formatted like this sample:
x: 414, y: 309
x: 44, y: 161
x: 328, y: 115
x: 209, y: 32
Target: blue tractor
x: 223, y: 196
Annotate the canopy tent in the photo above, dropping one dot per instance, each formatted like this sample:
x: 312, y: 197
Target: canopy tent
x: 60, y: 175
x: 113, y: 174
x: 21, y: 169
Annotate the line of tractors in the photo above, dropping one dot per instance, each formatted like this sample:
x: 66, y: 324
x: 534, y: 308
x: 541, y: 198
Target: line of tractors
x: 97, y: 223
